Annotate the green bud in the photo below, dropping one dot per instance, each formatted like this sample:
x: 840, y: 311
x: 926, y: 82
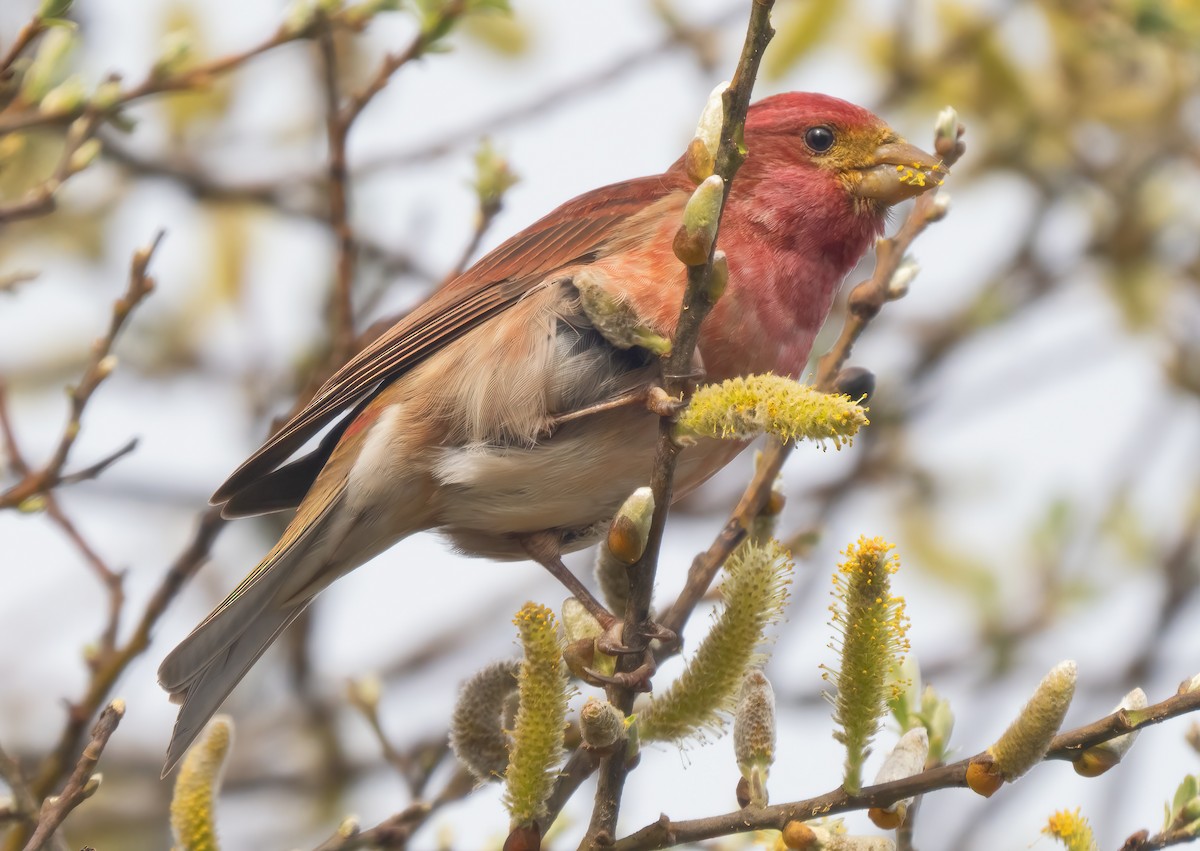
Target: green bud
x: 67, y: 96
x: 81, y: 158
x: 49, y: 64
x: 708, y: 128
x: 299, y: 16
x: 364, y: 694
x: 1100, y: 758
x: 719, y: 278
x: 51, y: 9
x: 630, y: 528
x: 493, y: 177
x: 578, y: 622
x: 106, y: 95
x: 695, y: 237
x: 173, y: 54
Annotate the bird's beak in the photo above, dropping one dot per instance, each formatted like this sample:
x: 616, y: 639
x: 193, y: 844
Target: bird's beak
x: 897, y: 171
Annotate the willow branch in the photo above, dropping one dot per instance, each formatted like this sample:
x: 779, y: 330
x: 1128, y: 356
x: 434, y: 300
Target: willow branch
x: 697, y: 302
x: 1066, y: 746
x: 80, y: 785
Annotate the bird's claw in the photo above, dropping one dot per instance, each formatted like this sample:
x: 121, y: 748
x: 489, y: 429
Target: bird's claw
x: 638, y: 679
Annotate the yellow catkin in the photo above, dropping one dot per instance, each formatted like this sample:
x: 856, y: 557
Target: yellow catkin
x: 743, y: 408
x: 1072, y: 829
x: 1026, y: 740
x: 871, y: 637
x: 537, y: 738
x: 755, y: 592
x: 197, y: 787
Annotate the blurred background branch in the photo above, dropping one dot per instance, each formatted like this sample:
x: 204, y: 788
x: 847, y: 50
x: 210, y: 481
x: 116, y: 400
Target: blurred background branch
x: 1033, y: 442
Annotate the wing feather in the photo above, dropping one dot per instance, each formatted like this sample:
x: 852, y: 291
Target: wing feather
x: 576, y: 232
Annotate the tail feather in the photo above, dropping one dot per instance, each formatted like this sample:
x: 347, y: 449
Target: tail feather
x: 201, y: 672
x: 204, y: 692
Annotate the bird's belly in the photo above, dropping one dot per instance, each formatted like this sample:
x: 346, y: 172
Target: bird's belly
x: 571, y: 483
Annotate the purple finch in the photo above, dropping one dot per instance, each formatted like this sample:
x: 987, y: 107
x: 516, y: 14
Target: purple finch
x: 502, y: 415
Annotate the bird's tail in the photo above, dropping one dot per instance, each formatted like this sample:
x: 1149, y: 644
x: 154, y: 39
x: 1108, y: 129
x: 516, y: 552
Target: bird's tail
x: 201, y: 672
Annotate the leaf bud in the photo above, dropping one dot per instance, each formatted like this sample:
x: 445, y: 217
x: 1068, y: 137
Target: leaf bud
x: 946, y: 133
x: 173, y: 54
x: 938, y: 208
x: 92, y: 784
x: 51, y: 9
x: 906, y: 759
x: 1100, y: 758
x: 106, y: 95
x: 898, y: 284
x: 630, y: 528
x: 695, y: 237
x: 68, y: 96
x: 718, y: 278
x: 493, y: 177
x: 364, y: 694
x: 601, y: 724
x: 49, y: 64
x: 348, y: 827
x: 708, y: 131
x: 81, y: 158
x: 798, y: 836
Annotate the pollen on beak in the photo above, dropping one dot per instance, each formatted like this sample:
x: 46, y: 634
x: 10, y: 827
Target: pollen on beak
x: 898, y: 171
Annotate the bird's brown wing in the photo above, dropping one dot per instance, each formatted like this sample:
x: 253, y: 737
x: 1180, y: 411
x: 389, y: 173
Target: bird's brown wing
x: 576, y: 232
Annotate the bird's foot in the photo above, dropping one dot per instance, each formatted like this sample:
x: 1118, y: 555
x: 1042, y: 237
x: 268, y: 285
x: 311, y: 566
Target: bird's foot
x: 638, y: 679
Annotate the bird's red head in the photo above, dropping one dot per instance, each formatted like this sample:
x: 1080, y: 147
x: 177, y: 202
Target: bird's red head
x: 823, y: 144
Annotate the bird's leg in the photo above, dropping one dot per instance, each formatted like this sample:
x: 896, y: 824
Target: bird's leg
x: 544, y: 548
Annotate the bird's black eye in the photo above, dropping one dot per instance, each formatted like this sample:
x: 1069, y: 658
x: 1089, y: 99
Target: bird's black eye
x: 819, y: 139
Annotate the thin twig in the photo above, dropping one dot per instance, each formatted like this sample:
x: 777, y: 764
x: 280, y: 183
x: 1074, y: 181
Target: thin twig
x: 1066, y: 746
x: 569, y: 91
x: 339, y: 120
x: 24, y: 806
x: 80, y: 785
x: 697, y: 302
x: 99, y: 366
x: 197, y: 77
x: 109, y: 666
x: 41, y: 199
x: 34, y: 27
